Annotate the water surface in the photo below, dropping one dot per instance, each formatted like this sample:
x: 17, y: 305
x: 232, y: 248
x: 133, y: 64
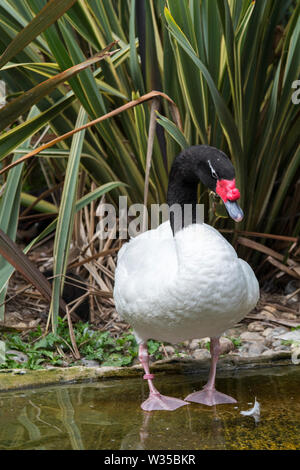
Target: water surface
x: 107, y: 415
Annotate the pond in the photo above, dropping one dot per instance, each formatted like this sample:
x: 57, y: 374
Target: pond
x: 107, y: 414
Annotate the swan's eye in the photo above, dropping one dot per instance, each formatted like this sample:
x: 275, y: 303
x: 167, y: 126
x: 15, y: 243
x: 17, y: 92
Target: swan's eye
x: 213, y: 172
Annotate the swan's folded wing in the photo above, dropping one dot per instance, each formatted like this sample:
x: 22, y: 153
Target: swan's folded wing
x: 145, y: 265
x: 251, y: 283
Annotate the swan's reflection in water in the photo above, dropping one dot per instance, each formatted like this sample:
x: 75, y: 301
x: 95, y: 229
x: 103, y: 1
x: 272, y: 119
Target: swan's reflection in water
x: 107, y: 415
x: 149, y: 437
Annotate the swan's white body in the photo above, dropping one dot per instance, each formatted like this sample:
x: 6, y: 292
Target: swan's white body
x: 177, y: 288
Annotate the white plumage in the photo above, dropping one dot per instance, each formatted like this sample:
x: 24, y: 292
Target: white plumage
x: 177, y: 288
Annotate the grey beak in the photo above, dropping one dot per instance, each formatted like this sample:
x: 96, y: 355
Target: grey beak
x: 234, y: 210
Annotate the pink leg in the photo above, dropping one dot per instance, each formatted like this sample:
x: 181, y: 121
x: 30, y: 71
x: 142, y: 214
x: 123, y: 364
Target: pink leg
x: 156, y: 401
x: 209, y: 395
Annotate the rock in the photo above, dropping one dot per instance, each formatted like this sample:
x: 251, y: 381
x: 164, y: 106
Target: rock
x: 280, y: 330
x: 256, y: 326
x: 244, y: 354
x: 195, y: 344
x: 251, y: 337
x: 168, y: 349
x: 270, y: 308
x: 282, y: 347
x: 201, y: 354
x: 89, y: 362
x: 17, y: 356
x: 267, y: 315
x: 200, y: 344
x: 226, y: 345
x: 244, y: 348
x: 203, y: 342
x: 276, y: 343
x: 272, y: 336
x: 268, y: 352
x: 290, y: 336
x: 288, y: 316
x: 267, y: 331
x: 233, y: 332
x: 256, y: 349
x: 269, y: 340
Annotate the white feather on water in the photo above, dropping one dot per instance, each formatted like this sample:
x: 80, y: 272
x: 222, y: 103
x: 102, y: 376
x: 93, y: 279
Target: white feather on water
x: 254, y: 412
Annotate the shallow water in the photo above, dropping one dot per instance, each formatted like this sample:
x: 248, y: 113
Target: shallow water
x: 107, y: 415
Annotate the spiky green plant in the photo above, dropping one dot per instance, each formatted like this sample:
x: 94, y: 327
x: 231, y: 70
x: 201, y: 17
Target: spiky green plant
x: 228, y: 64
x: 243, y: 79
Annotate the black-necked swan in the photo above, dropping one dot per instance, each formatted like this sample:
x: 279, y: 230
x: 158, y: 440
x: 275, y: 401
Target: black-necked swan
x: 175, y: 285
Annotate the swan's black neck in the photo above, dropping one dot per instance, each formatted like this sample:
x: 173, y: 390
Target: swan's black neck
x: 181, y: 193
x: 183, y: 187
x: 197, y: 163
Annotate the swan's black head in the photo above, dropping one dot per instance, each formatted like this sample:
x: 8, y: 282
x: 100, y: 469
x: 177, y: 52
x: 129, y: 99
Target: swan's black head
x: 210, y: 166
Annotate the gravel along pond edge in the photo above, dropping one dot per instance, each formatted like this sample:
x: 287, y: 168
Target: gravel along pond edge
x: 18, y: 379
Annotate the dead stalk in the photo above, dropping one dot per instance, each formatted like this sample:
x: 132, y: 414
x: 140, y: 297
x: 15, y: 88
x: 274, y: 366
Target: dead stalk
x: 151, y: 136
